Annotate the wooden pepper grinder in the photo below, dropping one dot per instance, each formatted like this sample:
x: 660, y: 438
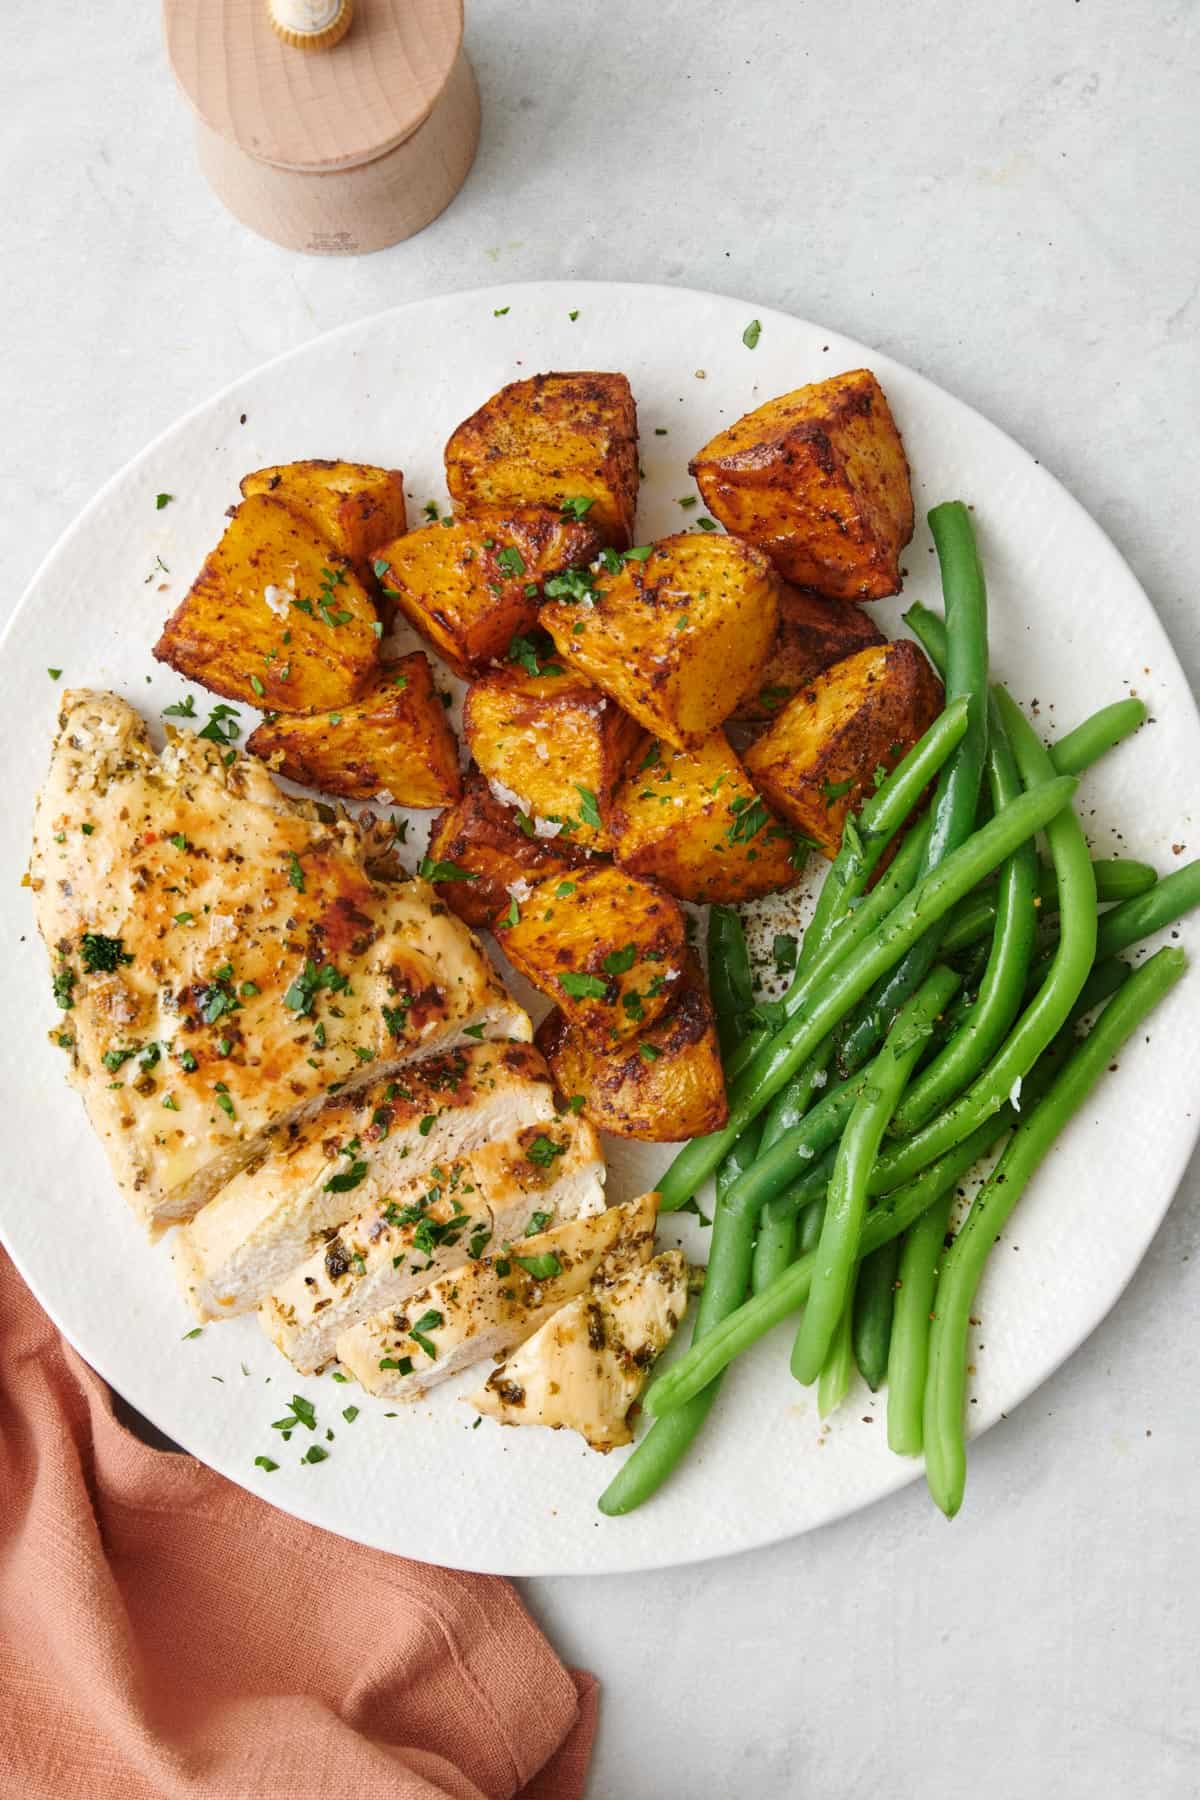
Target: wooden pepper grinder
x: 330, y: 126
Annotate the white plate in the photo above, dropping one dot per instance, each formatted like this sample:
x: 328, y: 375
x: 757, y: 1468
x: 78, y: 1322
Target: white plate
x: 1070, y: 629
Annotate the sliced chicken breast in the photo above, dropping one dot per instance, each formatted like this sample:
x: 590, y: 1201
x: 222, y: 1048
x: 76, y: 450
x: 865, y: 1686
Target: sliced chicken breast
x: 585, y: 1367
x: 432, y: 1223
x: 494, y: 1303
x: 316, y: 1173
x: 221, y: 957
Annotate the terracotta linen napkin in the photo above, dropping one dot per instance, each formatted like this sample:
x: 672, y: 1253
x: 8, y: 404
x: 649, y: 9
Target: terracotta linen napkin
x: 165, y: 1635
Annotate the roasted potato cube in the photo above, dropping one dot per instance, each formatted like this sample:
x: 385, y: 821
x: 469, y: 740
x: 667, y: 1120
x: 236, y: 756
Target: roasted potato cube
x: 818, y: 479
x: 471, y: 584
x: 555, y: 743
x: 607, y: 946
x: 824, y: 753
x: 486, y: 842
x: 662, y: 1088
x: 692, y: 820
x: 394, y: 743
x: 353, y: 506
x: 814, y: 633
x: 550, y: 440
x: 677, y: 635
x: 272, y: 577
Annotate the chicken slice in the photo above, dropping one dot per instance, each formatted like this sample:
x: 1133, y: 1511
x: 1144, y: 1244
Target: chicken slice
x: 221, y: 957
x: 493, y: 1304
x: 313, y: 1175
x: 585, y: 1367
x: 432, y: 1223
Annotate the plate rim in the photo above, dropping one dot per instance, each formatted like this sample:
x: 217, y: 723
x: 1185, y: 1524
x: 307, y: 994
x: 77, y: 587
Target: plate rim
x: 901, y: 1471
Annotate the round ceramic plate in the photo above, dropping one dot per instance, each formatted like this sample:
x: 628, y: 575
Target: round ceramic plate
x: 1071, y: 629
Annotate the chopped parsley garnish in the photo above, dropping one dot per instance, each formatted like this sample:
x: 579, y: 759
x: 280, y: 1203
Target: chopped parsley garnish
x: 473, y: 1031
x: 428, y: 1321
x: 785, y: 950
x: 100, y: 954
x: 161, y: 500
x: 513, y: 915
x: 54, y: 674
x: 510, y: 560
x: 639, y: 553
x: 619, y: 962
x: 687, y: 501
x: 582, y: 987
x: 429, y: 870
x: 542, y: 1268
x: 573, y: 315
x: 302, y: 993
x: 182, y: 709
x: 113, y: 1059
x: 349, y: 1413
x: 649, y: 1052
x: 632, y: 1002
x: 577, y: 505
x: 295, y: 873
x: 525, y: 824
x: 193, y: 1333
x: 752, y: 334
x: 749, y: 818
x: 707, y: 524
x: 188, y: 1062
x: 498, y: 312
x: 589, y: 810
x: 224, y: 725
x: 257, y: 685
x: 305, y: 1411
x: 529, y: 651
x: 180, y: 842
x: 571, y: 585
x: 538, y: 1221
x: 223, y: 1099
x: 403, y: 1365
x: 346, y: 1179
x: 564, y: 888
x: 64, y: 986
x: 834, y: 790
x: 427, y: 1124
x: 430, y: 509
x: 396, y: 1018
x: 315, y: 1454
x: 542, y: 1153
x: 264, y: 1462
x: 576, y: 1103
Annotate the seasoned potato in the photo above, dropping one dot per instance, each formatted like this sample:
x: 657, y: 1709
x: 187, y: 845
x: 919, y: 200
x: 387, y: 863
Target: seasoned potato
x: 274, y: 618
x: 395, y: 742
x: 676, y: 635
x: 814, y: 633
x: 486, y: 841
x: 549, y: 440
x: 607, y: 946
x: 471, y: 584
x: 555, y: 742
x: 353, y: 506
x: 822, y: 756
x: 664, y: 1087
x: 817, y: 478
x: 692, y: 820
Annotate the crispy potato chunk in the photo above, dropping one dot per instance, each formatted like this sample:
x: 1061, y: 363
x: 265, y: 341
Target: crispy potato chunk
x: 270, y: 575
x: 665, y: 1087
x: 471, y: 584
x: 821, y: 757
x: 551, y: 439
x: 814, y: 633
x: 610, y: 951
x: 555, y: 742
x: 693, y: 820
x: 353, y: 506
x: 485, y: 840
x: 395, y: 742
x: 678, y: 636
x: 818, y: 478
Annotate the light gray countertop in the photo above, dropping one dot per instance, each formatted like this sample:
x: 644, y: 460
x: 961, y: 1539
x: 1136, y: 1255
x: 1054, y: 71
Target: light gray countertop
x: 1004, y: 198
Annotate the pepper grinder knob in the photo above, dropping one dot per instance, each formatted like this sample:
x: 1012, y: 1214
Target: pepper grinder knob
x: 311, y: 24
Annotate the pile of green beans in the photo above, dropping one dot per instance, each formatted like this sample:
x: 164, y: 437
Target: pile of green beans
x: 834, y: 1197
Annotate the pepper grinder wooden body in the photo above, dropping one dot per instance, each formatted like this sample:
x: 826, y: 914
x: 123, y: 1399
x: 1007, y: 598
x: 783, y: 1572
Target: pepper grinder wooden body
x: 333, y: 151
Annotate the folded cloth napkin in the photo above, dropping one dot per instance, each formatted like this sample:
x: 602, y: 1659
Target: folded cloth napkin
x: 165, y: 1634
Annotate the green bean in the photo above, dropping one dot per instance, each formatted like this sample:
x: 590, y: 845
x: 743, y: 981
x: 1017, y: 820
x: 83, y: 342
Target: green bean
x: 854, y: 928
x: 838, y: 1367
x: 846, y: 1204
x: 1077, y: 750
x: 774, y: 1247
x: 856, y: 973
x: 808, y: 1225
x: 1049, y: 1007
x: 730, y: 980
x: 874, y: 1307
x: 731, y: 1246
x: 1118, y: 878
x: 700, y: 1365
x: 1001, y: 989
x: 1126, y: 924
x: 957, y: 797
x: 924, y: 1248
x: 945, y: 1445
